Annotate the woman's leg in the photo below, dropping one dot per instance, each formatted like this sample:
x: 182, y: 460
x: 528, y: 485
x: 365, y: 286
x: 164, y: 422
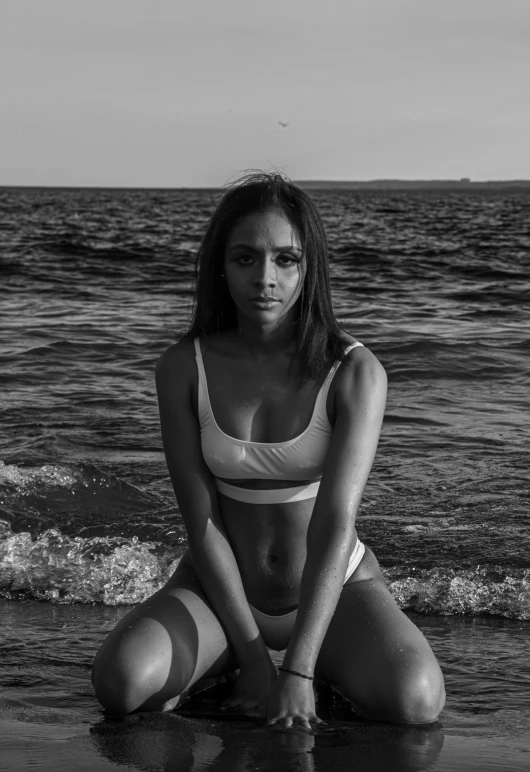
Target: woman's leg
x: 161, y: 649
x: 376, y: 657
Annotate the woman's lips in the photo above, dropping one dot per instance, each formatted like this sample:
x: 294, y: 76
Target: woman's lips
x: 263, y: 303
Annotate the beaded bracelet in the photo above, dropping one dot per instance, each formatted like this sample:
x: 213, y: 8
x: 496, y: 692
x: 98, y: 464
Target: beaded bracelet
x: 295, y: 672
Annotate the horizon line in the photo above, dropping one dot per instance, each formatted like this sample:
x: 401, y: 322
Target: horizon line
x: 461, y: 182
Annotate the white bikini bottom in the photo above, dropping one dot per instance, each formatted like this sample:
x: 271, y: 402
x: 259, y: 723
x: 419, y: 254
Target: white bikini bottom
x: 276, y: 630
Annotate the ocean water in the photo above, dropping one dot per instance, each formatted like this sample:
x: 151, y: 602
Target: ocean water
x: 95, y: 284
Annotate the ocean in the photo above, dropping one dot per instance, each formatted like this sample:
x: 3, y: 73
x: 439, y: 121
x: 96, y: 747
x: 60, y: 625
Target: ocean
x: 95, y: 284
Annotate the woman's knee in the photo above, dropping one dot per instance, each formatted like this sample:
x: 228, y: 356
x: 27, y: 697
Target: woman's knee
x: 159, y: 650
x: 411, y: 692
x: 120, y: 690
x: 419, y: 695
x: 141, y: 667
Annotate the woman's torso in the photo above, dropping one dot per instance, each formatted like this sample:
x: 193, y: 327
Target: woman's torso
x: 263, y: 403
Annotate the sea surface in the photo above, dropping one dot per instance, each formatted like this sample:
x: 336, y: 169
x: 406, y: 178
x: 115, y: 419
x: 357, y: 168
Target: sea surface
x: 95, y: 284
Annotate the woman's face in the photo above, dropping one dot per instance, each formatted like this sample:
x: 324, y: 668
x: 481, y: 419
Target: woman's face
x: 264, y: 266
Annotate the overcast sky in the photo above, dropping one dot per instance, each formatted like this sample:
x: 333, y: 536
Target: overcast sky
x: 173, y: 93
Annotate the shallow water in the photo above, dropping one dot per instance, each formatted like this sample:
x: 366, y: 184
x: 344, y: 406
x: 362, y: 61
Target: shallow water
x: 95, y: 284
x: 49, y: 716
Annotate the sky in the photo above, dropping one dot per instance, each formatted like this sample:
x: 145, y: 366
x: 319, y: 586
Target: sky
x: 175, y: 93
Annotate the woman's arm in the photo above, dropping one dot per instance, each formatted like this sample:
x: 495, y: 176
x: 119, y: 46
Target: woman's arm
x: 197, y: 498
x: 360, y: 405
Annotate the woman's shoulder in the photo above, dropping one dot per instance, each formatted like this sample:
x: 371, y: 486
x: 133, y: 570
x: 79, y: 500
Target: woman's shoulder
x: 177, y: 363
x: 354, y: 344
x: 348, y: 339
x: 361, y: 361
x: 176, y: 353
x: 178, y: 360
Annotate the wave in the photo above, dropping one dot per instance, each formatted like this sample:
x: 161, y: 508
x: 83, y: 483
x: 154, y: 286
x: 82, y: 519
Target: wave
x: 54, y: 567
x: 122, y: 571
x: 82, y: 500
x: 482, y: 590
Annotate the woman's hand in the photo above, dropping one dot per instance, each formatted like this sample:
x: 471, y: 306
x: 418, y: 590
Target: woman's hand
x: 292, y: 703
x: 252, y: 688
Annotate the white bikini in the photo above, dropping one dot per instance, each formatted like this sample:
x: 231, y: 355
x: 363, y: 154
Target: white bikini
x: 300, y: 458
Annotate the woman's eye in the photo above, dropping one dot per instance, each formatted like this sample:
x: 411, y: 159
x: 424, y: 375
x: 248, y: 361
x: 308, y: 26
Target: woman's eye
x: 288, y: 259
x: 284, y: 260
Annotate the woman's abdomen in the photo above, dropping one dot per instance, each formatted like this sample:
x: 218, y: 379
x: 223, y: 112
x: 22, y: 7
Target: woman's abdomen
x: 269, y: 544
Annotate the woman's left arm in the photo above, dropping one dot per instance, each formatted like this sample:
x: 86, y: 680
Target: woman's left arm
x: 360, y: 405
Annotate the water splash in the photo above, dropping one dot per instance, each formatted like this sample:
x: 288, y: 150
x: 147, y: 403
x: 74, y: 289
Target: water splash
x: 65, y: 569
x: 116, y: 570
x: 494, y: 590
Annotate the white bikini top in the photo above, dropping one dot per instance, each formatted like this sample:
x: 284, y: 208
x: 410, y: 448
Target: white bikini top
x: 300, y: 458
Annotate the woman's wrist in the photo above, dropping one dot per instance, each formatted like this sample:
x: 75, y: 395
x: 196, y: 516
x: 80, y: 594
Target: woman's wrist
x: 300, y: 661
x: 296, y: 673
x: 253, y: 653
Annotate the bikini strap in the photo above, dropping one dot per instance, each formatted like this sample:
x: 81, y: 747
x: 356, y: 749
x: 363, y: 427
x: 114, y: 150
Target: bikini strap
x: 198, y: 359
x: 324, y: 389
x: 353, y: 345
x: 198, y: 352
x: 203, y: 401
x: 338, y: 362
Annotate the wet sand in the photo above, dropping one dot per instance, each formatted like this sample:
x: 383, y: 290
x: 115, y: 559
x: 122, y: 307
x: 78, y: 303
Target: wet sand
x: 200, y: 737
x: 156, y: 742
x: 50, y: 719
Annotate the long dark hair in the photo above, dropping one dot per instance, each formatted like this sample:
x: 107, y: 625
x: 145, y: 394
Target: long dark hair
x: 318, y: 335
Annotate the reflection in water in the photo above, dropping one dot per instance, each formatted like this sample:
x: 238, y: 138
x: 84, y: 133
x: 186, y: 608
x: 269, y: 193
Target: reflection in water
x: 167, y: 742
x: 206, y: 749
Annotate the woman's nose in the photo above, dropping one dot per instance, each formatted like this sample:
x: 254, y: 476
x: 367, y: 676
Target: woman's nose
x: 266, y: 273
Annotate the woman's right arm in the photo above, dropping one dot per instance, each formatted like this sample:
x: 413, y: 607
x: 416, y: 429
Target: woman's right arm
x: 197, y: 497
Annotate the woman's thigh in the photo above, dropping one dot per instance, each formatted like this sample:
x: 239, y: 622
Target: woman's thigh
x: 377, y: 657
x: 162, y: 648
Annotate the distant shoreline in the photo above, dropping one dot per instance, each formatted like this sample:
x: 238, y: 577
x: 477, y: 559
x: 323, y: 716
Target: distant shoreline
x: 379, y: 184
x: 464, y: 184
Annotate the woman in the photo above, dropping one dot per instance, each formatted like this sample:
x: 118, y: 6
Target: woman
x: 270, y: 416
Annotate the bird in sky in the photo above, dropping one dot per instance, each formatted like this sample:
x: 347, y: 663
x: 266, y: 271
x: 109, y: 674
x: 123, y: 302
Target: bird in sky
x: 283, y: 124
